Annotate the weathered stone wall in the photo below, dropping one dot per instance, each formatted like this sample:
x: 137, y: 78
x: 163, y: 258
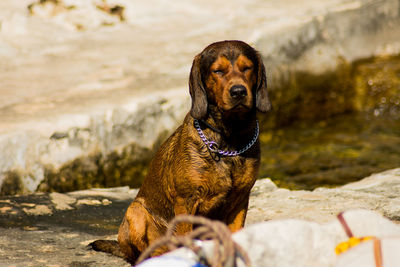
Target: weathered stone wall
x: 84, y: 83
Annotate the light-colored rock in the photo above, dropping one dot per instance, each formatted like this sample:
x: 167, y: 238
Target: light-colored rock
x: 379, y: 192
x: 29, y: 205
x: 62, y: 201
x: 5, y: 210
x: 94, y: 84
x: 119, y: 193
x: 106, y: 201
x: 86, y: 201
x: 38, y: 210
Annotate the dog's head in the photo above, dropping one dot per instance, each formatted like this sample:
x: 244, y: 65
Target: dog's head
x: 229, y: 75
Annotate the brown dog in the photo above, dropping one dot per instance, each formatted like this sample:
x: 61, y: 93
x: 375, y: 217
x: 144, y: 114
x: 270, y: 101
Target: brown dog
x: 209, y: 165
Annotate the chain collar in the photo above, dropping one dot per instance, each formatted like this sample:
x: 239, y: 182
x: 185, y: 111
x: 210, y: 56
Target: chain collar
x: 214, y: 147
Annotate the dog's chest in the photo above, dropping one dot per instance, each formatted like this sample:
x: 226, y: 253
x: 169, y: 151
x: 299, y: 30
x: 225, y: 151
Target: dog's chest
x: 235, y: 171
x: 221, y: 183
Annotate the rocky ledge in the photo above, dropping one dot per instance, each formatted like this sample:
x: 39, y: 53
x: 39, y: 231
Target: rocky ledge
x: 87, y: 85
x: 54, y: 229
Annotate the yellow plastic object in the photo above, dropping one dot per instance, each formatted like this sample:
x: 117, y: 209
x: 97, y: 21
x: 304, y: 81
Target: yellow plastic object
x: 352, y: 242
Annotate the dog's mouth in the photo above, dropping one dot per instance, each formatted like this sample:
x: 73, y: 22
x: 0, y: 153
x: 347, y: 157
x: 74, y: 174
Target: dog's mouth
x: 242, y: 103
x: 239, y: 108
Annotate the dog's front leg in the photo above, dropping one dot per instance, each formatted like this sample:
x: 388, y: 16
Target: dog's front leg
x: 183, y: 206
x: 236, y: 219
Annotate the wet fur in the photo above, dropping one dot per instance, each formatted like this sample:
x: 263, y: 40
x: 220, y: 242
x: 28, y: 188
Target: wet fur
x: 184, y: 177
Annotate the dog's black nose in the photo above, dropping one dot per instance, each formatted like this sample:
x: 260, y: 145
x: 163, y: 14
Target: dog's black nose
x: 238, y: 91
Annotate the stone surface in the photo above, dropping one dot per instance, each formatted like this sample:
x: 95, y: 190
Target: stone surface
x: 58, y: 246
x: 379, y: 192
x: 302, y: 222
x: 75, y: 85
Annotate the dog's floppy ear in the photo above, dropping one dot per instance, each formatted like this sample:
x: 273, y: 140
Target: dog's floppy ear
x: 262, y: 100
x: 197, y: 91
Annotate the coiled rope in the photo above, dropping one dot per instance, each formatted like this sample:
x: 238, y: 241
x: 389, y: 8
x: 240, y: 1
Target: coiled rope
x: 225, y: 249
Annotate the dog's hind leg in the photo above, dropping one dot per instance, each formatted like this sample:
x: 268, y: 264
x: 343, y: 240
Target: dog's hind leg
x: 137, y: 231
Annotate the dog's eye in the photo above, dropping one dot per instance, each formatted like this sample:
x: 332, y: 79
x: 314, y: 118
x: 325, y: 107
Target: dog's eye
x: 218, y: 72
x: 246, y: 69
